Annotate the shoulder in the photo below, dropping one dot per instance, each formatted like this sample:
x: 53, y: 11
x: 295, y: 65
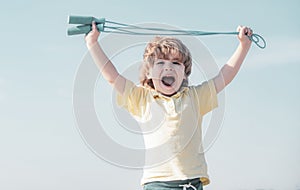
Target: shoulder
x: 205, y: 85
x: 206, y: 88
x: 133, y: 90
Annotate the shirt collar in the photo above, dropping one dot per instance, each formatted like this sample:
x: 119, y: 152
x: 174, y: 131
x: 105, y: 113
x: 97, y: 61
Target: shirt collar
x: 181, y: 91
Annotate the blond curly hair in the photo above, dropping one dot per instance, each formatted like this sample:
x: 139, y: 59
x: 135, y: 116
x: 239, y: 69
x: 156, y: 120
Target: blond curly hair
x: 164, y: 48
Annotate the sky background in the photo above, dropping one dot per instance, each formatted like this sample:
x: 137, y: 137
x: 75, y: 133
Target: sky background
x: 40, y: 146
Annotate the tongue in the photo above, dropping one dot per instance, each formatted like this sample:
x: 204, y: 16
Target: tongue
x: 168, y: 81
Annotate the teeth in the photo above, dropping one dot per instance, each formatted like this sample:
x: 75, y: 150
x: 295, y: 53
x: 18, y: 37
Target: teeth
x: 168, y: 80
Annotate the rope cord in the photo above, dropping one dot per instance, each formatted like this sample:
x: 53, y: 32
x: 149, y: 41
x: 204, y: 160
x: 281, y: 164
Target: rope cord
x: 121, y: 28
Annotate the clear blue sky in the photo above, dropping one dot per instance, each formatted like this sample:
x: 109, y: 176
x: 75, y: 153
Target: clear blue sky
x: 258, y: 147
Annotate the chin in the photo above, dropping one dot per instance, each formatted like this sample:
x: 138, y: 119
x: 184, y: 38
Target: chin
x: 168, y: 92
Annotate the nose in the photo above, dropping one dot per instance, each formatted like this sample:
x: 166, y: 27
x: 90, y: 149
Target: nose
x: 168, y: 66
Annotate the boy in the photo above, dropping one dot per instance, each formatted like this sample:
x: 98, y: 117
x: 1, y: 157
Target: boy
x: 174, y: 110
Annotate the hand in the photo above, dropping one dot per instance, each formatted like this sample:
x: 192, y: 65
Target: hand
x: 244, y: 34
x: 92, y: 37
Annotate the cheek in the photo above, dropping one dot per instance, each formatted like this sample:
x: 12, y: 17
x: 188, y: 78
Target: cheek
x: 150, y: 72
x: 181, y: 71
x: 155, y: 71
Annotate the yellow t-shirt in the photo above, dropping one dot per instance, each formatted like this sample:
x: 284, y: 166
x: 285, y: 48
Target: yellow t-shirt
x: 171, y: 129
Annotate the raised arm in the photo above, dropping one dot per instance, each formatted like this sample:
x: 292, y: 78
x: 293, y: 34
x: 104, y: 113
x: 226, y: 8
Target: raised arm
x: 105, y: 66
x: 231, y: 68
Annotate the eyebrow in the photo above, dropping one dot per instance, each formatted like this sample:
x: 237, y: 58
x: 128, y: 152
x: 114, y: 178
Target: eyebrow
x: 172, y: 61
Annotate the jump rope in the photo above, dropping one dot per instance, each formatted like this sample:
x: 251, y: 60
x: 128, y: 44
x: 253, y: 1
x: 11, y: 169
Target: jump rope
x: 103, y: 25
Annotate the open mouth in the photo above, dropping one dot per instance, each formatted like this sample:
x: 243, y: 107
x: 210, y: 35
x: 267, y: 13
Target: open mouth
x: 168, y: 80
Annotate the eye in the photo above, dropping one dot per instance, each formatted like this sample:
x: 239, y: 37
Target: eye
x: 176, y: 63
x: 159, y: 63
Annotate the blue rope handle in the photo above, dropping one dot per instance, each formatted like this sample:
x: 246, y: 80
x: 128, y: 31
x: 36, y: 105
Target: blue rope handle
x: 121, y: 28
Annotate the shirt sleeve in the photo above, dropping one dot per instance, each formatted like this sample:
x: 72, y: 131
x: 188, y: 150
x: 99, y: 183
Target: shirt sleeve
x: 133, y: 99
x: 206, y: 96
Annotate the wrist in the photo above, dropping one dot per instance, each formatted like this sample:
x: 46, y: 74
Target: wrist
x: 246, y: 44
x: 91, y: 44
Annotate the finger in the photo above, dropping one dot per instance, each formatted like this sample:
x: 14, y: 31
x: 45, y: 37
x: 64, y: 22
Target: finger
x: 238, y: 29
x: 250, y: 31
x: 94, y: 27
x: 246, y: 31
x: 241, y: 30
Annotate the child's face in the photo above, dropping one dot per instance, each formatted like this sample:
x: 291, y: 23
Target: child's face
x: 167, y: 75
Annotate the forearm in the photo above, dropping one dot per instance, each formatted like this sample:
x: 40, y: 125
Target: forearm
x: 107, y: 69
x: 231, y: 68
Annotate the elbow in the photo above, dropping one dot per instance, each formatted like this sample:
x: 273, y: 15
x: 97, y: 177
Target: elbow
x: 111, y: 81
